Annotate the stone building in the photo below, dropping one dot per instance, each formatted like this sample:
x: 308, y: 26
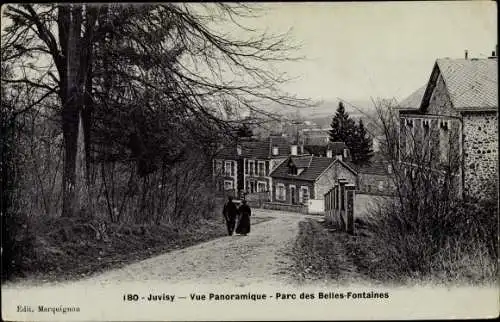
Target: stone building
x: 303, y: 180
x: 454, y: 123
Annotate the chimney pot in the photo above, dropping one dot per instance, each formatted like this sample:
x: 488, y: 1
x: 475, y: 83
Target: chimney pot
x: 466, y: 54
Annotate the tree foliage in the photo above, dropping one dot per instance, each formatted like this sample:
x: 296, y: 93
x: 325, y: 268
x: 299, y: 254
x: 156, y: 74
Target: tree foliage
x: 344, y: 129
x: 141, y: 83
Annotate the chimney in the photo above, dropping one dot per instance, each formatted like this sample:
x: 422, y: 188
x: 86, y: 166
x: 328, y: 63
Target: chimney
x: 389, y: 168
x: 346, y: 154
x: 466, y: 54
x: 293, y: 149
x: 238, y: 149
x: 329, y: 153
x: 275, y: 150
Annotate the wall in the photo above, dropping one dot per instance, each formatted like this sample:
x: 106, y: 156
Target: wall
x: 480, y: 148
x: 370, y: 183
x: 316, y: 206
x: 365, y: 205
x: 440, y: 102
x: 329, y: 178
x: 284, y: 207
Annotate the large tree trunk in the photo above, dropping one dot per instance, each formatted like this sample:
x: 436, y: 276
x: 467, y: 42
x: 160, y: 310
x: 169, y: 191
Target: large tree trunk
x: 70, y: 110
x: 76, y: 87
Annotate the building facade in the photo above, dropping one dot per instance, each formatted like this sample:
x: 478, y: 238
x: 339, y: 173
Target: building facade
x: 301, y: 179
x: 246, y: 167
x: 455, y: 125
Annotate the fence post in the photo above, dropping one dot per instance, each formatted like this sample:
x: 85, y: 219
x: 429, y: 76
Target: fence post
x: 342, y: 204
x: 337, y: 204
x: 349, y: 207
x: 332, y: 203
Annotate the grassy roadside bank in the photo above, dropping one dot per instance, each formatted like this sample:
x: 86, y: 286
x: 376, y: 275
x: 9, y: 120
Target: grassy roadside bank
x: 324, y: 253
x: 65, y: 249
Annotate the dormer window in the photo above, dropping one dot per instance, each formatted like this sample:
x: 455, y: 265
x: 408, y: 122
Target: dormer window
x: 292, y: 170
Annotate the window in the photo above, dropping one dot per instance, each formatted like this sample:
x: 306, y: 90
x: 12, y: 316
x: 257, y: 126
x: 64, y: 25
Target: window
x: 275, y: 150
x: 252, y: 186
x: 261, y: 186
x: 228, y: 185
x: 444, y: 141
x: 262, y: 168
x: 228, y: 168
x: 246, y: 166
x: 292, y: 170
x: 280, y: 192
x: 410, y: 137
x: 304, y: 194
x: 251, y: 167
x: 218, y: 166
x: 293, y: 194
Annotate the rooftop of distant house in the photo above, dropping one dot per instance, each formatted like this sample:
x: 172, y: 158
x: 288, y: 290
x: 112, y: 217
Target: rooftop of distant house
x: 309, y: 168
x: 258, y: 149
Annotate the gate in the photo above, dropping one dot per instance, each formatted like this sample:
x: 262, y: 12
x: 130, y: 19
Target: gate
x: 339, y: 204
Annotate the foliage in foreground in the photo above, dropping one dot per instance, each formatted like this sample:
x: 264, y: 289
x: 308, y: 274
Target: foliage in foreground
x: 459, y: 247
x: 46, y: 248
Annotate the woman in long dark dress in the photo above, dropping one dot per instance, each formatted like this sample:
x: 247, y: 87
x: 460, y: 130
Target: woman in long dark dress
x: 244, y: 222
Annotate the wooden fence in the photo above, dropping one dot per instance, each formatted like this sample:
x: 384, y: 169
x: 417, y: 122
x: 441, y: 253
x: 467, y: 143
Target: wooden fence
x: 339, y: 204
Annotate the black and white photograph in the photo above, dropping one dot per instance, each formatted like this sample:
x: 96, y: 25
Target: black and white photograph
x: 211, y: 161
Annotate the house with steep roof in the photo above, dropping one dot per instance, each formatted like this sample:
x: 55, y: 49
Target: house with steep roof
x: 305, y: 179
x: 246, y: 166
x: 456, y: 118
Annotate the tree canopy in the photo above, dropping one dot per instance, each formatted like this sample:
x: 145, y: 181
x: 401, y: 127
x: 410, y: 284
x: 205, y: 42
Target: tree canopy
x: 141, y: 82
x: 344, y: 129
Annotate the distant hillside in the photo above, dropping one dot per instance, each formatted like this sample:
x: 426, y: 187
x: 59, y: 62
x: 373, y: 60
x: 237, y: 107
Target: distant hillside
x: 319, y: 116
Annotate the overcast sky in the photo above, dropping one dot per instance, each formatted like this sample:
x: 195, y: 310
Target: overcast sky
x: 358, y: 50
x: 381, y: 49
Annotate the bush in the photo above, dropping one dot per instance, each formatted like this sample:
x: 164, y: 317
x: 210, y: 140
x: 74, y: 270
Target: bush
x: 460, y: 245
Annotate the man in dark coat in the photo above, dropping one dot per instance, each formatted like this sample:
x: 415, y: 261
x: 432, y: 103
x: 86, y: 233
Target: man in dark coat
x: 230, y: 213
x: 244, y: 222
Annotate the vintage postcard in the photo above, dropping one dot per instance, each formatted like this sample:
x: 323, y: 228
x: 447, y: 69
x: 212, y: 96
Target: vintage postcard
x: 249, y: 161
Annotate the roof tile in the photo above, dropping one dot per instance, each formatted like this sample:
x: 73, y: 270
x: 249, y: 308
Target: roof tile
x: 471, y: 83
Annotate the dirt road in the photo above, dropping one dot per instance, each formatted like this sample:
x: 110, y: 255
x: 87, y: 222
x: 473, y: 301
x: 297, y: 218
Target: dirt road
x: 240, y: 260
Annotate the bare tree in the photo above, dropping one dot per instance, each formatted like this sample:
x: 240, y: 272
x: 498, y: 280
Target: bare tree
x: 129, y: 60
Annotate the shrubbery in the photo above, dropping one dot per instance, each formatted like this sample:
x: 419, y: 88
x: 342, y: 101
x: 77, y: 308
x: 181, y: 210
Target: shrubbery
x: 459, y: 245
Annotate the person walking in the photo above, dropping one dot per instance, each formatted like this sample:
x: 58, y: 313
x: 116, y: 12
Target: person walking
x: 230, y: 213
x: 244, y: 221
